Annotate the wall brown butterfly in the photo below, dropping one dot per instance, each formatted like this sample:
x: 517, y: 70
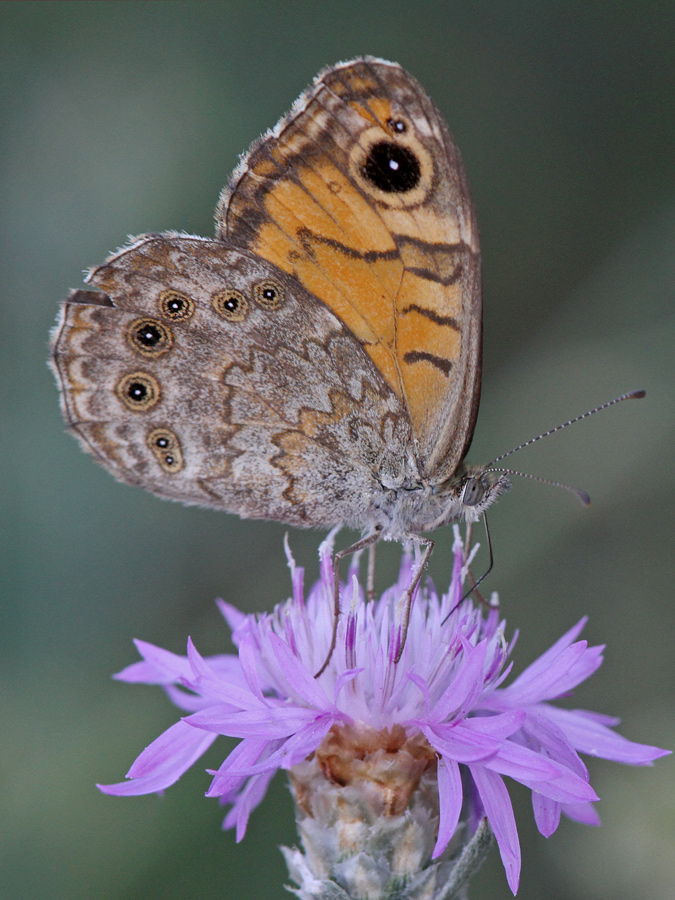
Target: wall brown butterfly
x: 318, y: 362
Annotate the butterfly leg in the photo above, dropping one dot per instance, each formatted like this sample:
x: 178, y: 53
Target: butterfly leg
x: 470, y: 575
x: 485, y: 574
x: 467, y: 541
x: 368, y: 541
x: 370, y: 583
x: 408, y: 596
x: 474, y: 582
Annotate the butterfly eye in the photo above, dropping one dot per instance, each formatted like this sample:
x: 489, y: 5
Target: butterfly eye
x: 138, y: 391
x: 269, y: 294
x: 167, y: 450
x: 392, y: 168
x: 149, y: 337
x: 232, y: 305
x: 176, y: 305
x: 472, y: 492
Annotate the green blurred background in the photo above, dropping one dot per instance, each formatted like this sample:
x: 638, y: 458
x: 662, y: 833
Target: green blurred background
x: 120, y: 118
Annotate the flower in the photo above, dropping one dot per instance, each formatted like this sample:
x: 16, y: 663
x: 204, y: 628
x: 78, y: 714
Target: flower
x: 441, y: 713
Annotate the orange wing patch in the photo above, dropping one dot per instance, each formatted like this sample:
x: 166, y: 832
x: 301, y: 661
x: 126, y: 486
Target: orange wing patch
x: 316, y: 227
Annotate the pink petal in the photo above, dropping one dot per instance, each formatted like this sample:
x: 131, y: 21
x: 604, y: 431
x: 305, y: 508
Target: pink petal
x: 523, y: 764
x: 186, y: 700
x: 544, y: 736
x: 586, y: 813
x: 245, y: 754
x: 468, y: 681
x: 247, y: 658
x: 228, y: 667
x: 302, y: 681
x: 246, y: 802
x: 552, y: 681
x: 500, y: 727
x: 546, y: 814
x: 266, y: 722
x: 459, y: 744
x: 540, y: 773
x: 556, y: 672
x: 589, y: 736
x: 342, y: 681
x: 541, y: 665
x: 450, y: 800
x: 234, y: 617
x: 497, y: 803
x: 163, y: 762
x: 240, y: 623
x: 294, y: 750
x: 158, y: 666
x: 204, y: 680
x: 424, y: 689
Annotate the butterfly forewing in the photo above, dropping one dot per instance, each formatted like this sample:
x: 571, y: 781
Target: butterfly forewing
x: 360, y: 194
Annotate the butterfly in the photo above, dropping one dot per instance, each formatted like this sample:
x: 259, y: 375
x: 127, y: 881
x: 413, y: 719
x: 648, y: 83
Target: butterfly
x: 318, y: 363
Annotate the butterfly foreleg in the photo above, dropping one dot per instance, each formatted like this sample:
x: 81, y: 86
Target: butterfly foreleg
x: 467, y: 541
x: 370, y: 583
x: 468, y: 555
x: 368, y: 541
x: 407, y: 599
x: 472, y: 578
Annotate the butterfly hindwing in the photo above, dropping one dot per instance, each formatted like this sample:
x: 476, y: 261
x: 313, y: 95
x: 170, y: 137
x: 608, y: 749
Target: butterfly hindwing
x: 211, y: 377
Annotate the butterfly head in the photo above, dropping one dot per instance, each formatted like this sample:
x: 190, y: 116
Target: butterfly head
x: 470, y: 491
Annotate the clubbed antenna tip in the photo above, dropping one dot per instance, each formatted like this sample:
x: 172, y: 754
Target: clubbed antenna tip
x: 582, y: 495
x: 631, y: 395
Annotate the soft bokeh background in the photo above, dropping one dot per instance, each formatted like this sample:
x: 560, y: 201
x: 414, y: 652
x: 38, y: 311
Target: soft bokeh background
x: 121, y: 118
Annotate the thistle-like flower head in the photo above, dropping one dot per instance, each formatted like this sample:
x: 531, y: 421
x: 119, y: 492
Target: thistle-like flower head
x: 441, y: 720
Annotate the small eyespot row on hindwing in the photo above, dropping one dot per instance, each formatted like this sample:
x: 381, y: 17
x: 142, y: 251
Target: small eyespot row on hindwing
x: 166, y: 449
x: 176, y: 305
x: 149, y: 337
x: 138, y: 391
x: 269, y: 294
x: 231, y: 305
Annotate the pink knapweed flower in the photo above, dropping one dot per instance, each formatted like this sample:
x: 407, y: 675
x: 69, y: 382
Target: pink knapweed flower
x: 441, y: 712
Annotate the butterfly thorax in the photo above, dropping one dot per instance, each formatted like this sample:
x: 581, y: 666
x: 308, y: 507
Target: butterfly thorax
x: 419, y: 505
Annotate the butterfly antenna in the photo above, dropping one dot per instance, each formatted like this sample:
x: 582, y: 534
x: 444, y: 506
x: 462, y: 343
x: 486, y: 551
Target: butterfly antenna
x: 632, y: 395
x: 582, y: 495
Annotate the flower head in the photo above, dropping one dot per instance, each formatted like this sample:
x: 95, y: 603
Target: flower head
x: 440, y: 716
